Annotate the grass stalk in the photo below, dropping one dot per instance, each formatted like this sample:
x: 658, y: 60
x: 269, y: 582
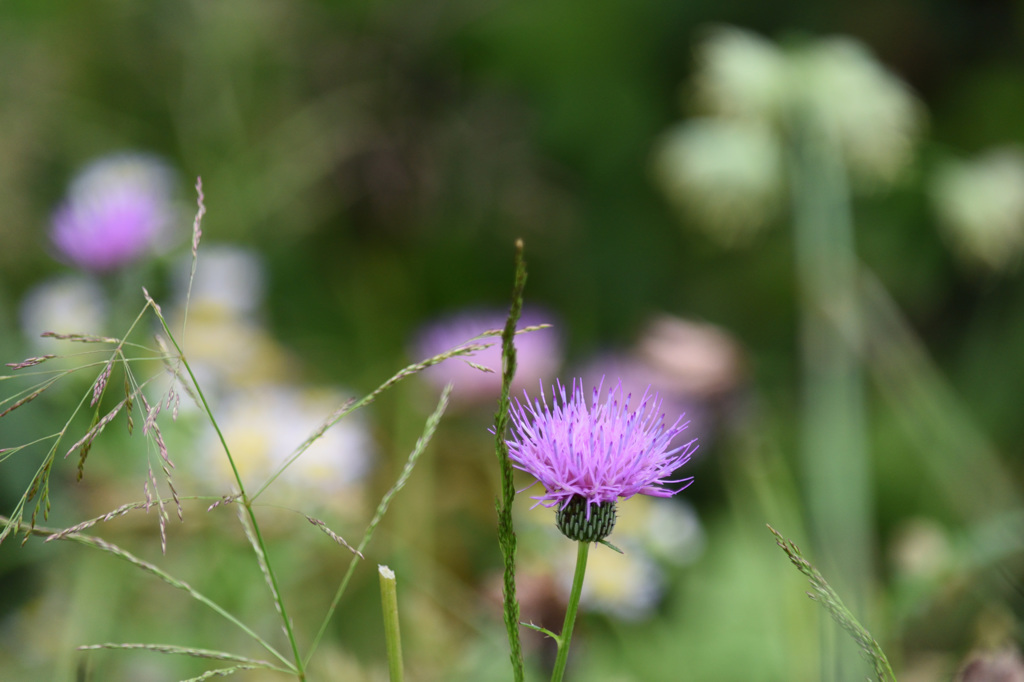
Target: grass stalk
x: 834, y: 452
x: 259, y: 544
x: 421, y: 444
x: 392, y: 635
x: 506, y: 531
x: 110, y: 548
x: 825, y: 595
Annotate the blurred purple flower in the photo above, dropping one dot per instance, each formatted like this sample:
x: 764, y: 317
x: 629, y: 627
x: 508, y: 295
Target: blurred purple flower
x: 538, y: 353
x: 115, y: 211
x: 598, y: 453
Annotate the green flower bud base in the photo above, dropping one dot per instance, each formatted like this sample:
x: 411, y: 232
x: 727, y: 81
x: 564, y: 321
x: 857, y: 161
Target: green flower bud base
x: 573, y: 522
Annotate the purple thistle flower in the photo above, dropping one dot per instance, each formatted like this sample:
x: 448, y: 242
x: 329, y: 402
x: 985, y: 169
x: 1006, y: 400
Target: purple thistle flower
x: 115, y: 211
x: 599, y: 453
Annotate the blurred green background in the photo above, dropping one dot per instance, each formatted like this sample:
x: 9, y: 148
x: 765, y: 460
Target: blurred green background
x: 381, y: 157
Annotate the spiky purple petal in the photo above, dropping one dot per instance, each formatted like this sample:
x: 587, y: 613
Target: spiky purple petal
x: 602, y: 451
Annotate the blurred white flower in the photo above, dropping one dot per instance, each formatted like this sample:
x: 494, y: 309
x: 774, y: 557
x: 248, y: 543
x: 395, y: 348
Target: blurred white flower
x: 1001, y: 665
x: 227, y: 342
x: 116, y: 210
x: 693, y: 358
x: 920, y: 549
x: 264, y: 426
x: 229, y: 277
x: 668, y: 529
x: 727, y: 171
x: 740, y: 74
x: 874, y: 117
x: 725, y: 174
x: 227, y: 352
x: 69, y: 304
x: 980, y: 205
x: 656, y: 534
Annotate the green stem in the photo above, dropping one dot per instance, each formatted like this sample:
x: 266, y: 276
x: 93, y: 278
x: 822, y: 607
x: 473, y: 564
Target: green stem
x: 353, y: 405
x: 834, y: 450
x: 247, y: 503
x: 421, y: 444
x: 103, y: 545
x: 583, y: 549
x: 506, y: 529
x: 392, y: 636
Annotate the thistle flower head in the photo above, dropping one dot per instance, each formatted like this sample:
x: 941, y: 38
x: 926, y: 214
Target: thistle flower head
x: 115, y: 211
x: 593, y: 454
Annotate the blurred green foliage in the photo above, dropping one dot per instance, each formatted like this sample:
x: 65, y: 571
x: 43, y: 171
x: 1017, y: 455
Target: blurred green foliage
x: 383, y: 155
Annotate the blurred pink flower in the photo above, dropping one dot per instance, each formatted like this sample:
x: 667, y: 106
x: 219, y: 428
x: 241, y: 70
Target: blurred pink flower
x: 539, y: 353
x: 696, y: 368
x: 114, y: 212
x: 995, y: 666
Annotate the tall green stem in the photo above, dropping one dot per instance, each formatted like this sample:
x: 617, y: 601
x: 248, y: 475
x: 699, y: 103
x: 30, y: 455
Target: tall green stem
x: 506, y: 530
x: 834, y: 454
x: 582, y: 550
x: 275, y: 588
x: 421, y: 444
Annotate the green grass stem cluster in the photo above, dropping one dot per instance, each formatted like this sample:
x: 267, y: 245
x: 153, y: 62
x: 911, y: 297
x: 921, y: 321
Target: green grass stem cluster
x: 830, y: 601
